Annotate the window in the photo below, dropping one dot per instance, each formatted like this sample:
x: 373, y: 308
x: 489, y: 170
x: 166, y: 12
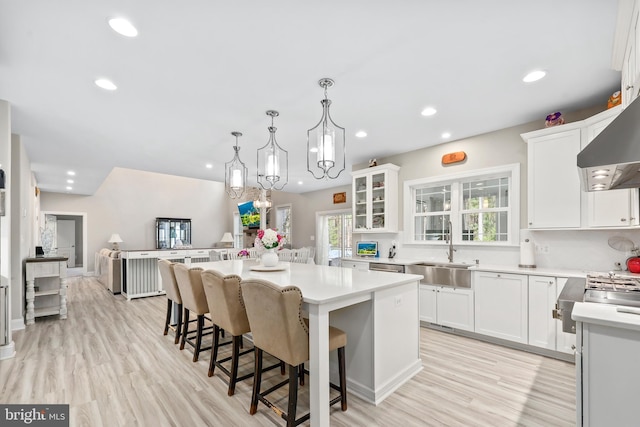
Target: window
x: 283, y: 222
x: 477, y: 207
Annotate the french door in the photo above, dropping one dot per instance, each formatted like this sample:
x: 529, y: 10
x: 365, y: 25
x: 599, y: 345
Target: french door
x: 333, y: 231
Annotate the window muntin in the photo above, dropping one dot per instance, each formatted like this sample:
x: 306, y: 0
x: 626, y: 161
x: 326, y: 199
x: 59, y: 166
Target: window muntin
x: 485, y: 210
x: 432, y: 212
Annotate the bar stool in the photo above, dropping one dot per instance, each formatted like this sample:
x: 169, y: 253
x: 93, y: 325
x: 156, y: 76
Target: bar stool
x: 193, y: 299
x: 278, y: 328
x: 173, y: 296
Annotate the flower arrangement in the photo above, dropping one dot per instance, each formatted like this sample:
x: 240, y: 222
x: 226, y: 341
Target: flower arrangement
x: 269, y: 239
x: 243, y: 253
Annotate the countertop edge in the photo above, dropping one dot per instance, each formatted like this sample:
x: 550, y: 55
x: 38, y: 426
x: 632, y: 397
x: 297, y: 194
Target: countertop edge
x: 604, y: 315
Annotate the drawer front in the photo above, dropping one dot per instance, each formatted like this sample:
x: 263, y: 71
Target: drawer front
x: 46, y: 269
x: 141, y: 254
x: 200, y: 253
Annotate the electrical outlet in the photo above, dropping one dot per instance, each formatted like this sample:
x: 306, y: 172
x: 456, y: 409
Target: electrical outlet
x: 398, y: 301
x: 542, y: 249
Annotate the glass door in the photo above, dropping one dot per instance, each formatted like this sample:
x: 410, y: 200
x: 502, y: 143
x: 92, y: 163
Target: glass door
x: 378, y: 200
x: 360, y: 192
x: 334, y: 237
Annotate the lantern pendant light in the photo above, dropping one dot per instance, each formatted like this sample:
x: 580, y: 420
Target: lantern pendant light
x: 273, y: 161
x: 326, y: 147
x: 235, y: 173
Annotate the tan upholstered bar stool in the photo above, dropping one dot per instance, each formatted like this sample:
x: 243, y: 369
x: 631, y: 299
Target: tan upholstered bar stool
x: 194, y: 300
x: 279, y: 329
x: 173, y: 296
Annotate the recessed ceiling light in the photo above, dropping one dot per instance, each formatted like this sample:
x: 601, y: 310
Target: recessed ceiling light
x: 361, y: 134
x: 429, y: 111
x: 599, y: 171
x: 69, y: 188
x: 446, y: 135
x: 300, y: 182
x: 71, y: 173
x: 314, y: 149
x: 534, y: 76
x: 69, y: 181
x: 122, y: 26
x: 105, y: 84
x: 600, y: 176
x: 209, y: 166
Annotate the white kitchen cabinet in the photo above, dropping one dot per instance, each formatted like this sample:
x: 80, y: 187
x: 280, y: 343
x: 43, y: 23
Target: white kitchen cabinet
x: 554, y: 195
x: 501, y: 305
x: 565, y: 341
x: 428, y: 303
x: 542, y: 300
x: 358, y: 265
x: 614, y: 208
x: 375, y: 199
x: 631, y: 61
x: 455, y: 308
x: 447, y: 306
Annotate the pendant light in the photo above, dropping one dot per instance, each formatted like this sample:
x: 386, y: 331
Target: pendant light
x: 273, y: 161
x: 326, y: 148
x: 235, y: 173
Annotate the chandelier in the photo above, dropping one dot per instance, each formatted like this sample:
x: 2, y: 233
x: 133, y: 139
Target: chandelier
x: 235, y: 173
x: 326, y: 148
x: 273, y: 168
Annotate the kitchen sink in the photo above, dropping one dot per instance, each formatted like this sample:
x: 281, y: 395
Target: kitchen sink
x: 443, y: 274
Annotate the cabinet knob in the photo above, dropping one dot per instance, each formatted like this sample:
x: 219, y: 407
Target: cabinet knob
x: 629, y: 87
x: 498, y: 275
x: 573, y: 347
x: 623, y: 219
x: 632, y: 219
x: 530, y: 223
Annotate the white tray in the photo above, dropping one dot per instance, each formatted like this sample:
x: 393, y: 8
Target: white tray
x: 279, y: 267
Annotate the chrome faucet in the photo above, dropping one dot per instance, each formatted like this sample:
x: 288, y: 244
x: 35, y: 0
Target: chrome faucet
x: 450, y: 242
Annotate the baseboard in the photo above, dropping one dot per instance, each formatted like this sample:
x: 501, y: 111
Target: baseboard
x: 17, y: 324
x: 394, y: 383
x: 7, y: 351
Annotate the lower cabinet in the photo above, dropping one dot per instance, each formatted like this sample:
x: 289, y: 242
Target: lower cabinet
x: 358, y: 265
x: 501, y: 309
x: 542, y: 299
x: 446, y: 306
x: 565, y: 341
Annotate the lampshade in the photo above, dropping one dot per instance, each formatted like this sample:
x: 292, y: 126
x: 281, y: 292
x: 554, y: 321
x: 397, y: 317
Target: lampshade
x: 227, y: 238
x: 273, y: 161
x: 115, y: 238
x: 235, y: 173
x: 326, y: 147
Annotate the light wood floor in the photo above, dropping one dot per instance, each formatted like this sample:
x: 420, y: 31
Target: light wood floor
x: 111, y: 363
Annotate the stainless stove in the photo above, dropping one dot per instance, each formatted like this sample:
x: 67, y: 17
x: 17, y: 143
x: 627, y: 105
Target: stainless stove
x: 613, y: 288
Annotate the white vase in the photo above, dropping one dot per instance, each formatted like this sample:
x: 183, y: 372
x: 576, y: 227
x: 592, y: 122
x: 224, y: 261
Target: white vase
x: 269, y: 258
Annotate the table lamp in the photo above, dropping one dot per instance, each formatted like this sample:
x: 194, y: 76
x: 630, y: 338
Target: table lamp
x: 227, y: 239
x: 115, y: 239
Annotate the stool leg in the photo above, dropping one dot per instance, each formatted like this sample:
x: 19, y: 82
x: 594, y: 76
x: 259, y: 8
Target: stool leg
x: 257, y: 377
x: 234, y: 365
x: 343, y: 379
x: 282, y: 368
x: 293, y: 396
x: 196, y: 352
x: 185, y: 328
x: 168, y: 317
x: 178, y: 325
x: 301, y: 373
x: 214, y: 350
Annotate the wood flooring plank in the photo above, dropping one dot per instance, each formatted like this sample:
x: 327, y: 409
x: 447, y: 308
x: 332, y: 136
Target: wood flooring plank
x: 111, y: 363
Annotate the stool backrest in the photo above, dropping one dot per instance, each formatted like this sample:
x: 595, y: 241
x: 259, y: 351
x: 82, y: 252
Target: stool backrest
x: 224, y: 298
x: 276, y: 320
x: 169, y: 280
x: 191, y: 290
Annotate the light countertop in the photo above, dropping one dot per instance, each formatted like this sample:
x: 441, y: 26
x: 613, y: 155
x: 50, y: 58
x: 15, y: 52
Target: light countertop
x: 398, y: 261
x: 605, y: 315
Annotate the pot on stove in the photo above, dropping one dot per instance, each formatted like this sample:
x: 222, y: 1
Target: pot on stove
x: 633, y: 264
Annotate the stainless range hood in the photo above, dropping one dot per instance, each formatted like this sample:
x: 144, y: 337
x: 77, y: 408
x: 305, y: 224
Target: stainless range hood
x: 612, y: 160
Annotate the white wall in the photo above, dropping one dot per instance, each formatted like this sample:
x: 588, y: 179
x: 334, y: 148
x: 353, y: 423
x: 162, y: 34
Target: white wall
x: 128, y: 202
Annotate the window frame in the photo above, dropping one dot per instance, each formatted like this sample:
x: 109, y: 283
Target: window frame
x: 287, y: 235
x: 510, y: 171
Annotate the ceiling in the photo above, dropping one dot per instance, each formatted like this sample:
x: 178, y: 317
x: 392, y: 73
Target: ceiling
x: 199, y: 70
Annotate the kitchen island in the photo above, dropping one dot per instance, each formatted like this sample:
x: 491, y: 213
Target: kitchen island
x: 377, y: 310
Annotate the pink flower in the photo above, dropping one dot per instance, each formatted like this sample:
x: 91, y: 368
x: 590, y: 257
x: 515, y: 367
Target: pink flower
x: 260, y: 234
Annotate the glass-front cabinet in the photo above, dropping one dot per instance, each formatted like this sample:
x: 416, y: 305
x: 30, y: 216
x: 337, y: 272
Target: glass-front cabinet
x: 173, y: 233
x: 375, y: 199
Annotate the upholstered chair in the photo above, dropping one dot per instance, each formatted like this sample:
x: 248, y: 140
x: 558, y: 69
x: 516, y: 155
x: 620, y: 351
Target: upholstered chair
x: 278, y: 328
x: 173, y: 296
x: 226, y: 306
x: 193, y: 300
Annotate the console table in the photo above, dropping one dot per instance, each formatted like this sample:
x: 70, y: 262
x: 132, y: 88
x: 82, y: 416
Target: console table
x: 50, y: 297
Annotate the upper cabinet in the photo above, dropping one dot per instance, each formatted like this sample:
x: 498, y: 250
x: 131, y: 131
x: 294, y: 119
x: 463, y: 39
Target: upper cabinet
x: 555, y: 196
x: 553, y: 181
x: 631, y: 60
x: 375, y: 199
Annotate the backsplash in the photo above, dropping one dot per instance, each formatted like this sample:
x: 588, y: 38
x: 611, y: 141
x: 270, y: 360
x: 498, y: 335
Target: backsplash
x: 586, y: 250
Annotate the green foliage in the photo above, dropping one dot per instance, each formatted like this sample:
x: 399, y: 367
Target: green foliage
x: 250, y: 218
